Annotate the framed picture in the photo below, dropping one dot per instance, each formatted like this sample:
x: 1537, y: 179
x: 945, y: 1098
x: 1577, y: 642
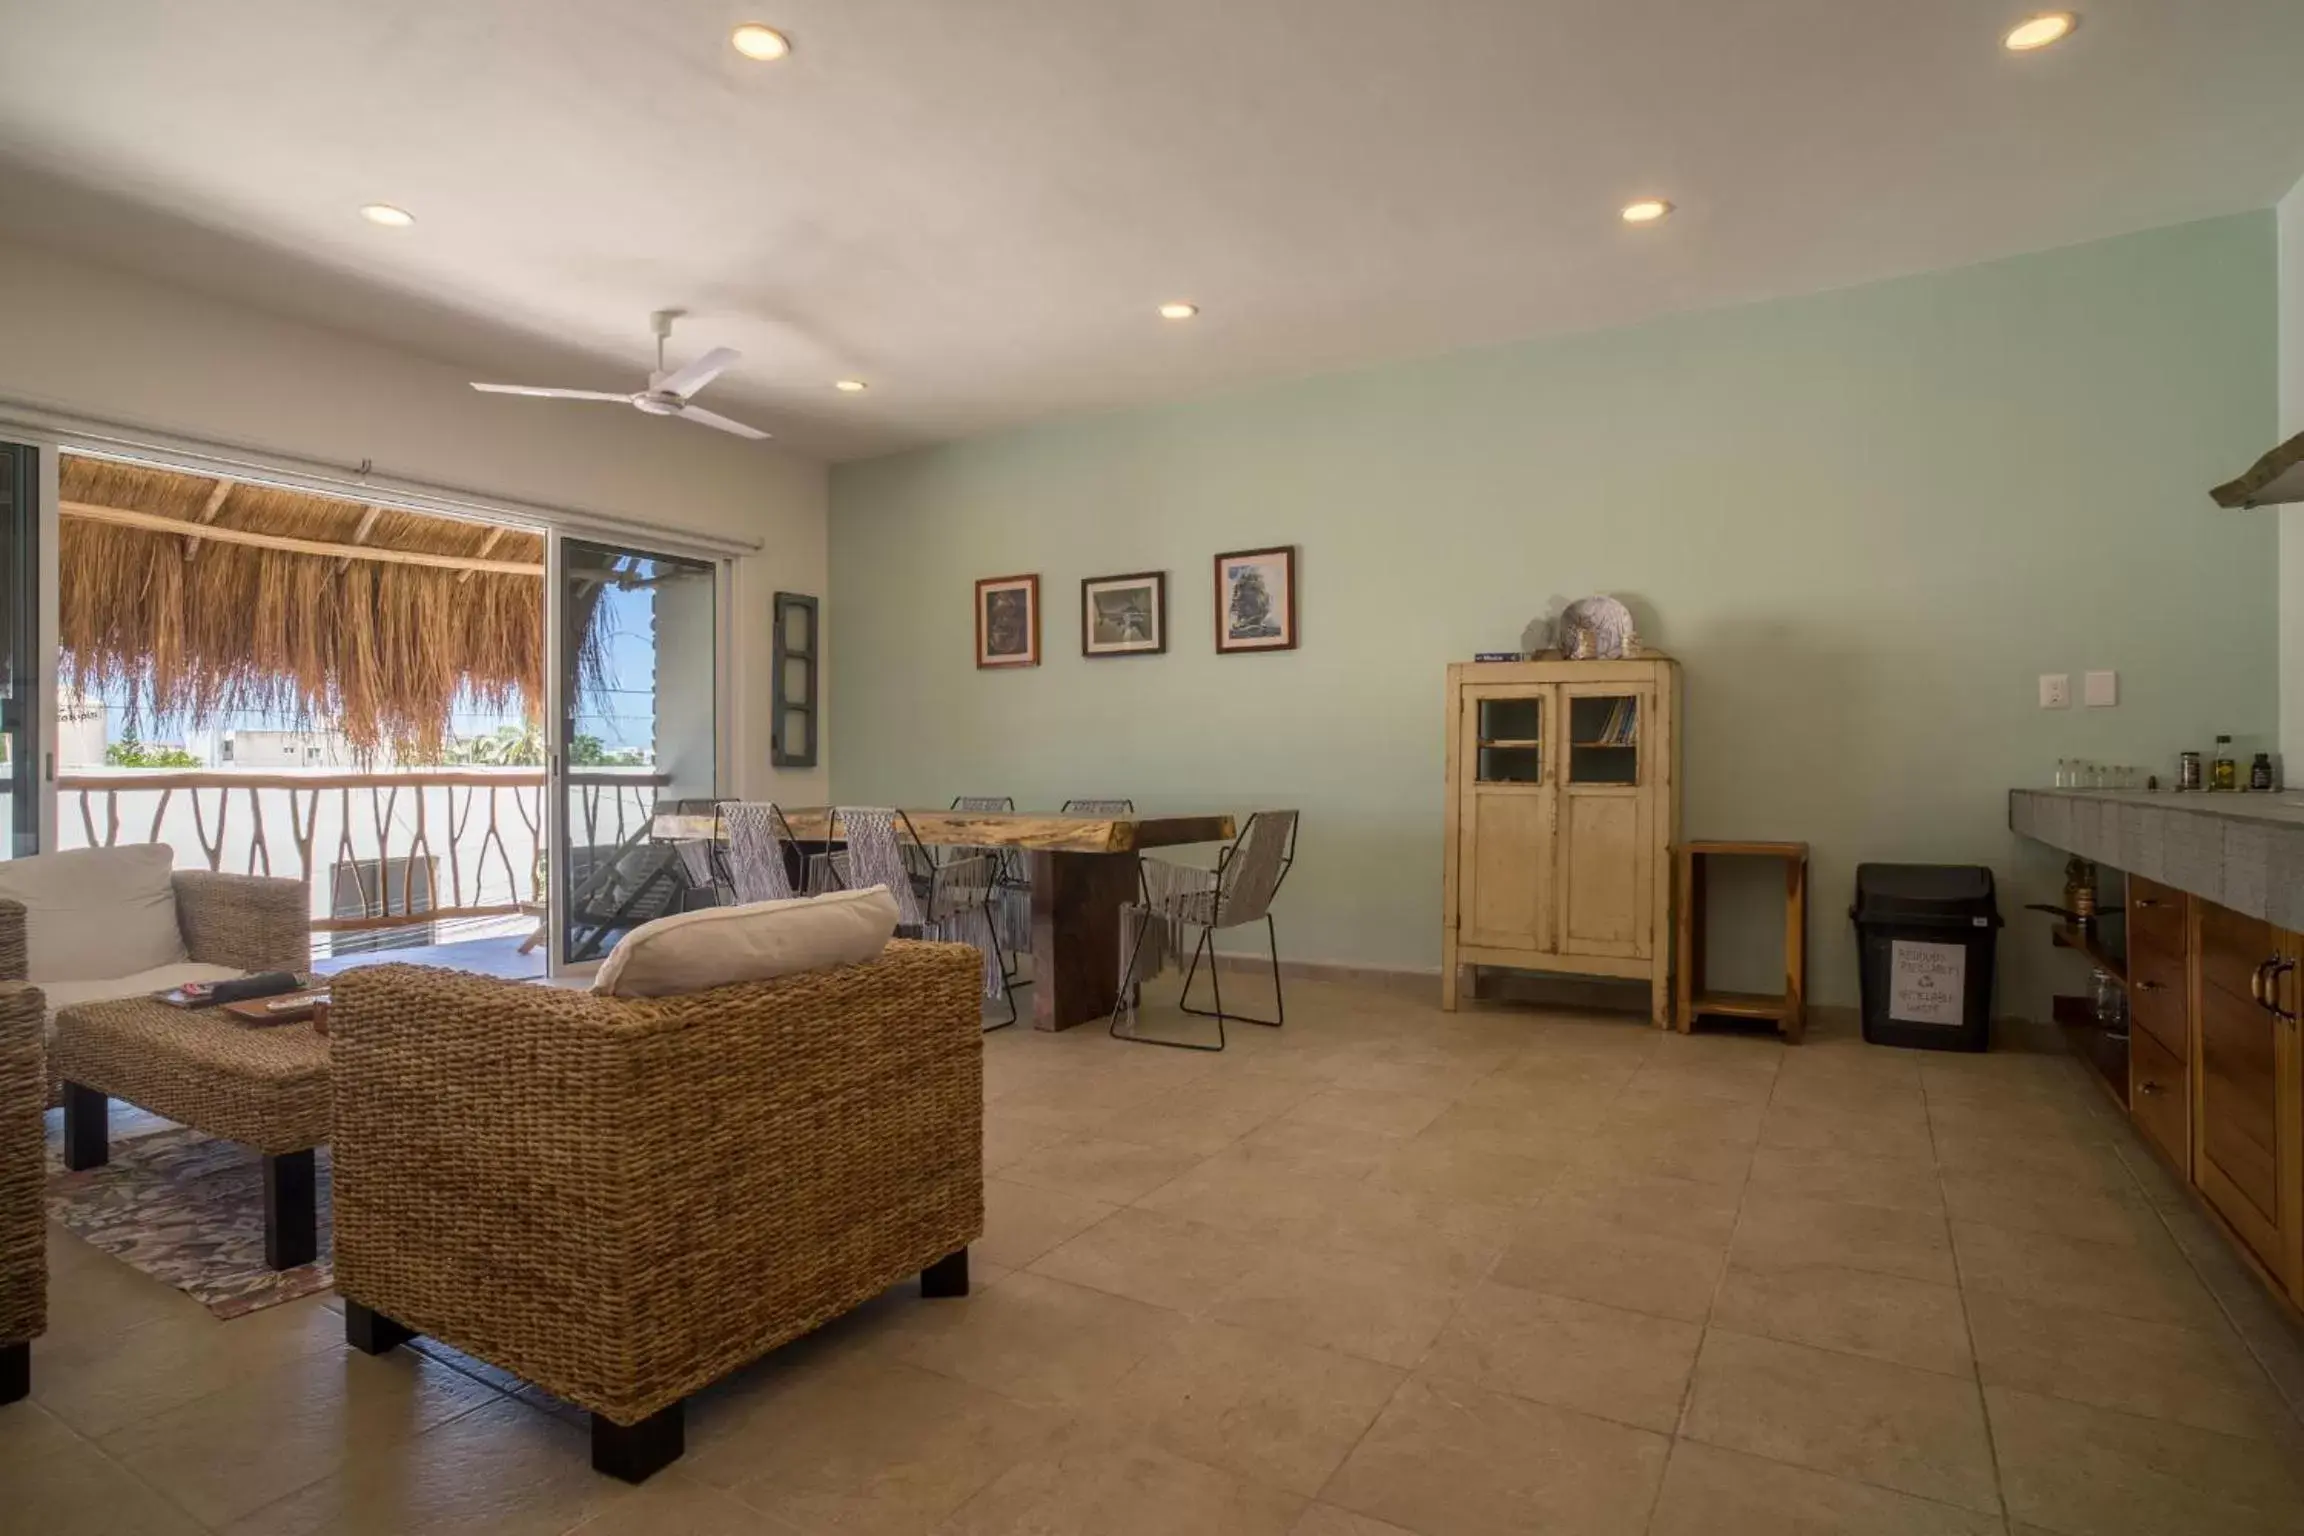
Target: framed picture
x: 1008, y: 621
x: 1256, y: 600
x: 1124, y: 615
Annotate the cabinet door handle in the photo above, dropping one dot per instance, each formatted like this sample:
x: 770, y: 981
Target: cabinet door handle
x: 2256, y: 982
x: 2147, y: 901
x: 2148, y: 1088
x: 2275, y: 969
x: 2148, y: 986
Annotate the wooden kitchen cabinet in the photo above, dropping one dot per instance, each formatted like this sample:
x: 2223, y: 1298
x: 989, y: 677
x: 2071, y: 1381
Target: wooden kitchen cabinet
x: 1562, y: 804
x: 2247, y: 1098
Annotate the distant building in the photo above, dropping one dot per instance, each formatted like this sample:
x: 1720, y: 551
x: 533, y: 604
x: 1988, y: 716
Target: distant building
x: 80, y: 733
x: 283, y: 749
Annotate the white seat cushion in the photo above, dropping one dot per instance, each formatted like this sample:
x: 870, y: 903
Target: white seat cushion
x: 71, y: 994
x: 96, y: 912
x: 766, y: 939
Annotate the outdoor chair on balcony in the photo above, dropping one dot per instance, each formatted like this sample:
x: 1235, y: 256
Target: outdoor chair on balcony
x: 1237, y: 892
x: 23, y: 1177
x: 617, y: 889
x: 96, y: 924
x: 623, y: 1199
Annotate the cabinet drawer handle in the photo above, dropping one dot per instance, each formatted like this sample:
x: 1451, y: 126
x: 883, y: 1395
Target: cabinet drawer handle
x: 2149, y: 986
x: 2256, y: 981
x: 2147, y: 901
x: 2148, y: 1088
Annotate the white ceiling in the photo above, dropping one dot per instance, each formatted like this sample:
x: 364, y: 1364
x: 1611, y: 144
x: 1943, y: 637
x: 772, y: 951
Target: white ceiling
x: 977, y: 206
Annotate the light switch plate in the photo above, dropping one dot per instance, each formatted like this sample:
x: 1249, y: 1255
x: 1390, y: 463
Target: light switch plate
x: 2100, y: 690
x: 2055, y: 690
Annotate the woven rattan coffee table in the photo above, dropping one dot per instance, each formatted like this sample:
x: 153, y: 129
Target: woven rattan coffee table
x: 266, y: 1086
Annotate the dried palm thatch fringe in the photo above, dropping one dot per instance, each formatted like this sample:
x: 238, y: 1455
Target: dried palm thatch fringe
x: 201, y: 629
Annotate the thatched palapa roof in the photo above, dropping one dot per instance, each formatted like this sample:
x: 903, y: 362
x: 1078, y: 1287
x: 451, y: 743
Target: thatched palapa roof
x: 203, y: 597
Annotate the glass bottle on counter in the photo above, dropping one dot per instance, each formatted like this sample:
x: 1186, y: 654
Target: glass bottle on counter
x: 2188, y: 770
x: 2260, y: 772
x: 2224, y: 773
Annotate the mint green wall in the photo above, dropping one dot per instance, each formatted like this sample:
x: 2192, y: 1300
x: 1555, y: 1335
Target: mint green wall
x: 1864, y: 520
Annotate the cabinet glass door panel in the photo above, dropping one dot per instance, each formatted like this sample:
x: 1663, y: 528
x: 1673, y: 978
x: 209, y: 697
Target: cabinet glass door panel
x: 1506, y: 810
x: 1509, y: 734
x: 1604, y: 738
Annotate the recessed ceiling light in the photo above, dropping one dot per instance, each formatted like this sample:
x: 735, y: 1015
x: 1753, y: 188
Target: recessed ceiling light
x: 2040, y: 31
x: 1646, y: 211
x: 387, y: 215
x: 755, y: 41
x: 1178, y: 310
x: 849, y: 386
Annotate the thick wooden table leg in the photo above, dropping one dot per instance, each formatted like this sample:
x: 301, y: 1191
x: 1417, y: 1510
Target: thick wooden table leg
x: 1076, y: 902
x: 87, y: 1128
x: 291, y: 1209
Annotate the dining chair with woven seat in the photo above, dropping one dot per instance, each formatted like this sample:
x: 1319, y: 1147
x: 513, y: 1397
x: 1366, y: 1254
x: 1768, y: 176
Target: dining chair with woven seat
x: 756, y: 844
x: 1012, y: 883
x: 1236, y: 893
x: 950, y: 901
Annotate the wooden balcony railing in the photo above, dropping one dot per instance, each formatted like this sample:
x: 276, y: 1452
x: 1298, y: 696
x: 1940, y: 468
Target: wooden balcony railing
x: 416, y: 845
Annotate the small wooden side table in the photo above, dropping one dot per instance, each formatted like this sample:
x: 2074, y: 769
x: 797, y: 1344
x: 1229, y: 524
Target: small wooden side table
x: 1788, y: 1008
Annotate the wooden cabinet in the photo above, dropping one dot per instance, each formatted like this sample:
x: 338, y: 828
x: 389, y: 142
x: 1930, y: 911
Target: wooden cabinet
x: 2245, y: 1085
x: 2159, y: 1097
x: 1562, y: 807
x: 2159, y: 971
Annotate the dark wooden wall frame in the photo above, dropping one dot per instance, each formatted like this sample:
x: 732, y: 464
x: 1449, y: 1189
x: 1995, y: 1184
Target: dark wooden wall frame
x: 792, y: 736
x: 1288, y: 553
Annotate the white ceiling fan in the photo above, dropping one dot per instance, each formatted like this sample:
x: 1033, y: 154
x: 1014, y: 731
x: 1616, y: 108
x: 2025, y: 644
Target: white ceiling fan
x: 667, y: 394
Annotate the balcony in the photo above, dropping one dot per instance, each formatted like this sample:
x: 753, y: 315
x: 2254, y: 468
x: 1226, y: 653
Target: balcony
x: 427, y: 857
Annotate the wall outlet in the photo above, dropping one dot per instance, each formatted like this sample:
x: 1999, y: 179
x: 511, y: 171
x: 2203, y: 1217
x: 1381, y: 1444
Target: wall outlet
x: 2100, y: 690
x: 2055, y: 690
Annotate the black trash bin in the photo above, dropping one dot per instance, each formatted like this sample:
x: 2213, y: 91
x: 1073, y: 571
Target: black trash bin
x: 1926, y: 935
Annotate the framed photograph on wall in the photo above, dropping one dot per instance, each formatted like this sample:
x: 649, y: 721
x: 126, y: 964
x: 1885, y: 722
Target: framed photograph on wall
x: 1008, y: 621
x: 1256, y: 600
x: 1124, y: 615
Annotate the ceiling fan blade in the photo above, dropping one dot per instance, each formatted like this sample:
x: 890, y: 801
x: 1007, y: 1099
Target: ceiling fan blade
x: 714, y: 419
x: 550, y: 394
x: 686, y: 381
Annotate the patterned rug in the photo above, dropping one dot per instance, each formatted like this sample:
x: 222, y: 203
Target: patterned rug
x: 186, y: 1208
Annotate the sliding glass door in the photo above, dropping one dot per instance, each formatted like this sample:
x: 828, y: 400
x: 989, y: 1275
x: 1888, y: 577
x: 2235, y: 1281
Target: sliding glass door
x: 636, y: 680
x: 20, y: 638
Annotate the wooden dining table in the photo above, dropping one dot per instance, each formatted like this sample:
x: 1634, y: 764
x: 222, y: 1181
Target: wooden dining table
x: 1083, y: 873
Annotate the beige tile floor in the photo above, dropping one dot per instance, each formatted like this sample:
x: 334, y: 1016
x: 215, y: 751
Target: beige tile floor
x: 1387, y: 1271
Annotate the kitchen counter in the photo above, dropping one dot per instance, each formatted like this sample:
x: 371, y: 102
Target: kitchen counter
x: 2240, y: 850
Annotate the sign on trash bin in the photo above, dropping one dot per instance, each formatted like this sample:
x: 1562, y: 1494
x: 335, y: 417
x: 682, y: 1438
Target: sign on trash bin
x: 1927, y: 982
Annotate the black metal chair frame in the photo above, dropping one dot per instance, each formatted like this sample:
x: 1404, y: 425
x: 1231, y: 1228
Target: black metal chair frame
x: 1207, y: 946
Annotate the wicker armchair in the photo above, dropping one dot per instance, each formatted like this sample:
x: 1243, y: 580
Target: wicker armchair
x: 23, y: 1220
x: 623, y: 1200
x: 246, y: 922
